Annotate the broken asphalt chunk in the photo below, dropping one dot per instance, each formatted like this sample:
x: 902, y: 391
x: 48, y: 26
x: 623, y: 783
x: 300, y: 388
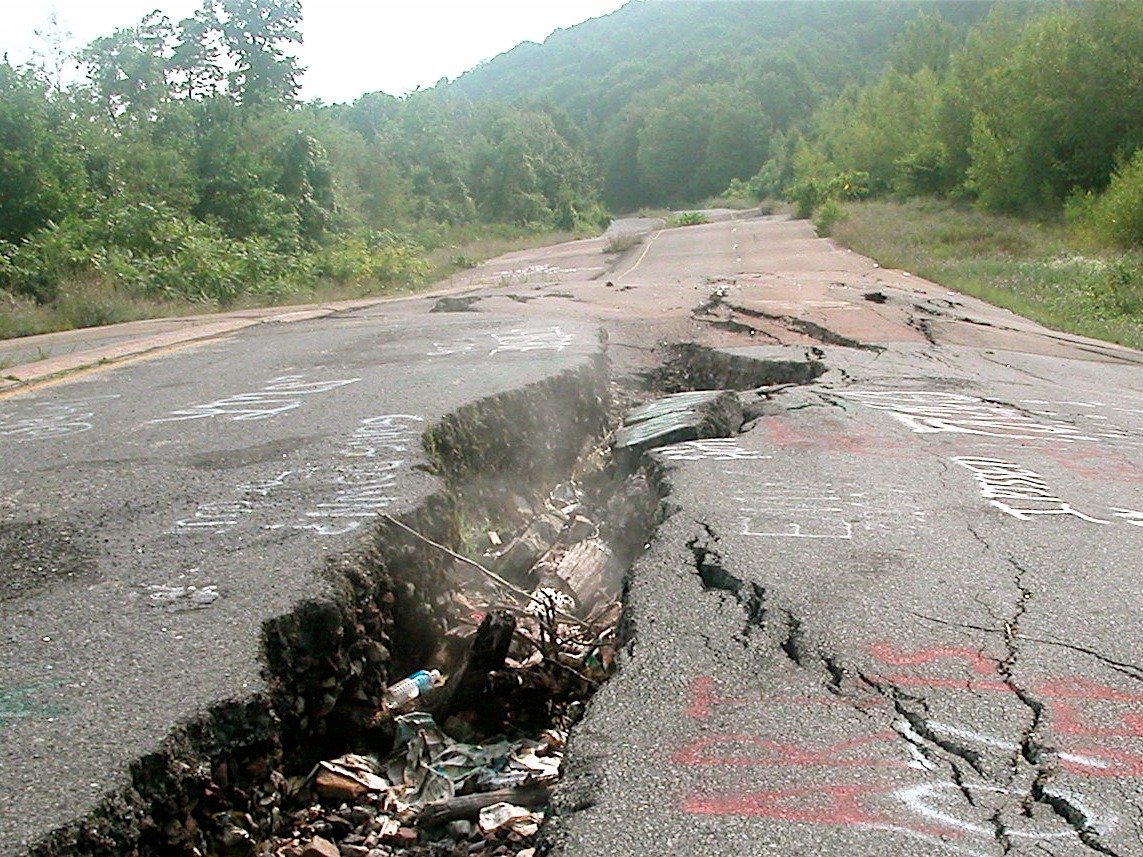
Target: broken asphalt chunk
x: 678, y: 418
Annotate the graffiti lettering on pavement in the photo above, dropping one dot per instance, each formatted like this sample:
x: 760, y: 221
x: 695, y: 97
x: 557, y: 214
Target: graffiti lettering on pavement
x: 368, y: 483
x: 1131, y: 516
x: 48, y: 420
x: 826, y: 511
x: 1018, y: 491
x: 215, y: 517
x: 276, y: 397
x: 521, y: 340
x: 711, y: 449
x: 532, y: 339
x: 884, y: 775
x: 364, y: 479
x: 931, y: 412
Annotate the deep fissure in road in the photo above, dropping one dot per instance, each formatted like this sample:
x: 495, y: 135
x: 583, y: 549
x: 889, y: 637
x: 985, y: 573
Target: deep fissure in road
x: 525, y: 468
x: 240, y: 778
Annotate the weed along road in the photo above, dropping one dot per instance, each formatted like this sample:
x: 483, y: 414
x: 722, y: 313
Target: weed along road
x: 890, y: 607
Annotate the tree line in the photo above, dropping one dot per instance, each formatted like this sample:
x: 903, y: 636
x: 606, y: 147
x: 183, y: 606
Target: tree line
x: 183, y: 164
x: 1030, y: 112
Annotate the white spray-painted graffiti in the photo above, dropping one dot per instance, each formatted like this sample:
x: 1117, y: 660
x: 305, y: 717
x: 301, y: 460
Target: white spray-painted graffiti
x: 930, y: 412
x: 1131, y: 516
x: 47, y: 420
x: 538, y: 339
x: 827, y: 511
x: 365, y: 488
x: 216, y: 517
x: 365, y: 484
x: 829, y: 781
x: 938, y: 803
x: 389, y: 431
x: 277, y: 396
x: 1065, y: 403
x: 1018, y: 491
x: 524, y: 275
x: 360, y: 495
x: 790, y: 512
x: 521, y: 340
x: 711, y: 449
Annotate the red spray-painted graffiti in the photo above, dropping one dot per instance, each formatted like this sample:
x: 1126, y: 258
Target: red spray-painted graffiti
x: 866, y: 780
x: 836, y: 437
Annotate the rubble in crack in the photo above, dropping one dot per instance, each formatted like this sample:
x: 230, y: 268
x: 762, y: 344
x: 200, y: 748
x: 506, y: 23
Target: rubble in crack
x: 462, y: 756
x: 432, y: 795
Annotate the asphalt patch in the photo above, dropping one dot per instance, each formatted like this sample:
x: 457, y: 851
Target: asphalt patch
x: 37, y: 554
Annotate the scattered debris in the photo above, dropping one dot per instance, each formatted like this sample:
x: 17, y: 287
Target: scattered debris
x: 407, y: 690
x: 183, y: 597
x: 432, y: 791
x: 531, y: 632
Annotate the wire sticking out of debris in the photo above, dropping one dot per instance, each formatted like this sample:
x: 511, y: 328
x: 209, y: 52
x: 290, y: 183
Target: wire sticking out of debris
x: 493, y: 576
x: 463, y: 759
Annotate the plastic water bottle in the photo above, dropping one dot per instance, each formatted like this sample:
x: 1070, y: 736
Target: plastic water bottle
x: 408, y: 689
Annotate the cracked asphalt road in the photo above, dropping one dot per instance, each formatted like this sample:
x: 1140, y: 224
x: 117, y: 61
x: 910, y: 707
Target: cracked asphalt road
x: 909, y: 623
x: 156, y: 513
x: 899, y: 615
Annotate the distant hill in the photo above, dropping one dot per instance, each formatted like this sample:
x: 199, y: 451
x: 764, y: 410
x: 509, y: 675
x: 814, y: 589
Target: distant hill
x: 639, y: 80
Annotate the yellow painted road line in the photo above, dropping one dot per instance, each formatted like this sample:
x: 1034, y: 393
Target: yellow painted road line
x: 642, y: 255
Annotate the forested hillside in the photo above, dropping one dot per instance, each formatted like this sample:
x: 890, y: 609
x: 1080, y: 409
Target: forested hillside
x: 678, y: 98
x: 183, y: 166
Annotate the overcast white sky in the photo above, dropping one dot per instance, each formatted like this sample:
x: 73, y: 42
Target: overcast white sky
x: 350, y: 47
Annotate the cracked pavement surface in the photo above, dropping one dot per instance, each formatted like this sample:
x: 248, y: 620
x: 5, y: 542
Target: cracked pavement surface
x: 900, y: 616
x: 897, y: 615
x: 153, y: 515
x: 911, y: 625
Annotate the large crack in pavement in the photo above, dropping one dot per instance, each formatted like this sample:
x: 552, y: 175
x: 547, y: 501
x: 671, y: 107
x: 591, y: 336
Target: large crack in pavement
x: 1043, y: 759
x: 219, y: 782
x: 778, y: 624
x: 329, y: 662
x: 718, y: 312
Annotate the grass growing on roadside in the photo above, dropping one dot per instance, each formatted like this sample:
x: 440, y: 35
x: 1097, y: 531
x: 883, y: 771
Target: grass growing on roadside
x: 689, y: 218
x: 622, y: 242
x: 91, y: 300
x: 1039, y: 270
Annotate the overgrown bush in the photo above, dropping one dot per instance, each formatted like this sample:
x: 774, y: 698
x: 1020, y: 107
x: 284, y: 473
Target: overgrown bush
x: 36, y: 266
x: 1118, y: 288
x: 370, y: 257
x: 689, y: 218
x: 1114, y: 217
x: 828, y: 214
x: 809, y: 192
x: 210, y: 268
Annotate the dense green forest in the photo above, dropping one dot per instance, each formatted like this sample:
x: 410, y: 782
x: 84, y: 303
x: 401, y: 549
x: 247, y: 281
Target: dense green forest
x: 184, y: 167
